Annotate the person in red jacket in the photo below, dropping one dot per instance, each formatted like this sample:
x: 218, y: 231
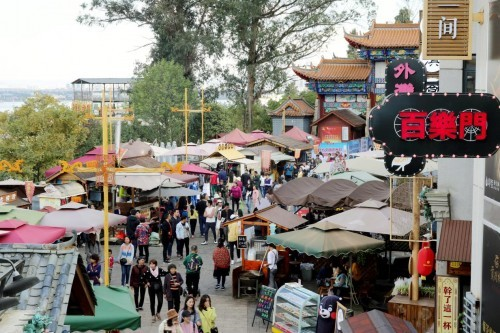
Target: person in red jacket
x: 222, y: 264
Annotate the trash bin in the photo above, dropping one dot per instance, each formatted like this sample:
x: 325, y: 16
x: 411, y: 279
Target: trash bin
x: 306, y: 269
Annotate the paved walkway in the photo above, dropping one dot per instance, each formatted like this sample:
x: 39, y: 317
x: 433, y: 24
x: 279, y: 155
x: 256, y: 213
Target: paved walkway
x: 233, y: 315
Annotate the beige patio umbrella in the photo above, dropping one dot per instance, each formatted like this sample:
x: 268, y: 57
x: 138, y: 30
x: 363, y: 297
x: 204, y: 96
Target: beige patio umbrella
x: 375, y: 217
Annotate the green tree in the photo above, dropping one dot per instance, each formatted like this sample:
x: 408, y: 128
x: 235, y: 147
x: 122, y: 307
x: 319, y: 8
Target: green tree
x: 159, y: 88
x: 41, y: 132
x: 404, y: 16
x: 352, y: 53
x: 220, y: 119
x: 267, y: 36
x: 184, y: 30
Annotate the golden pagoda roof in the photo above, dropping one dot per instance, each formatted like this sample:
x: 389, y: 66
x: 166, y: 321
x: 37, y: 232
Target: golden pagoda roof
x: 337, y: 69
x: 383, y: 36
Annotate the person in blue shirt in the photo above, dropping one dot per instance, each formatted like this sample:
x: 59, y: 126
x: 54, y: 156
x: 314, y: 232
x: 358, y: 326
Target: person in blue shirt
x: 288, y: 171
x: 223, y: 176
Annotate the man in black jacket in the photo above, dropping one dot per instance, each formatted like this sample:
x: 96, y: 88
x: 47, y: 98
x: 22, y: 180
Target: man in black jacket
x: 166, y: 237
x: 176, y: 218
x: 200, y: 208
x: 132, y: 223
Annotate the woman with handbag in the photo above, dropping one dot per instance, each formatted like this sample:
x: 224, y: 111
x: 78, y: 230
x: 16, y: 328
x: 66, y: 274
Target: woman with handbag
x: 222, y: 264
x: 138, y: 283
x: 207, y: 315
x: 155, y: 288
x: 172, y: 287
x: 126, y: 258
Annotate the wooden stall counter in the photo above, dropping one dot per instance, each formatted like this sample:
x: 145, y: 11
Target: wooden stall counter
x: 420, y: 313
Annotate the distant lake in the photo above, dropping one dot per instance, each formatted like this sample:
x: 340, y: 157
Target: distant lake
x: 9, y: 106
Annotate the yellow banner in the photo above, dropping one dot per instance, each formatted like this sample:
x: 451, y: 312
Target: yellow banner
x: 447, y: 304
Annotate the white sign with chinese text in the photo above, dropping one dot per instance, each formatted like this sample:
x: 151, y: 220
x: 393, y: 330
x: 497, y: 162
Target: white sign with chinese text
x: 447, y: 304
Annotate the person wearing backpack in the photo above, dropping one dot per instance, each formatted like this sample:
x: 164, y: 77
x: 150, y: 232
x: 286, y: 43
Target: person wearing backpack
x: 235, y: 196
x: 193, y: 263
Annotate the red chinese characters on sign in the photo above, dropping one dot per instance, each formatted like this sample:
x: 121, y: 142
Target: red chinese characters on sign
x: 447, y: 304
x: 404, y: 88
x: 441, y: 125
x: 412, y: 125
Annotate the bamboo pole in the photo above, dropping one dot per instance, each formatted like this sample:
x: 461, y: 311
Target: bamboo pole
x: 415, y: 237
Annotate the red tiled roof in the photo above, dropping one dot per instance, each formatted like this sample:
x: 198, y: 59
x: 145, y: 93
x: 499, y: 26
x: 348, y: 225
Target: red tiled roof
x: 382, y: 36
x: 456, y: 241
x: 294, y: 107
x: 336, y: 70
x: 346, y: 115
x: 298, y: 134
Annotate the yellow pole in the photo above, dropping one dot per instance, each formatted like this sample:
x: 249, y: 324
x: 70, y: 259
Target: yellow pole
x: 202, y: 116
x: 186, y: 112
x: 105, y: 189
x: 416, y: 236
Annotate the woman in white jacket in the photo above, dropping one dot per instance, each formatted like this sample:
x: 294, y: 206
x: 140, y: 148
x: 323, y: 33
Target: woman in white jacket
x: 183, y: 232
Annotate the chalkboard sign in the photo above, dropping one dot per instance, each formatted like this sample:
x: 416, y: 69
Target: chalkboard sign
x: 242, y: 242
x: 265, y: 304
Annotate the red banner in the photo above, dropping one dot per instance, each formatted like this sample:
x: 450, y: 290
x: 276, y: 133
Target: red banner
x: 265, y: 160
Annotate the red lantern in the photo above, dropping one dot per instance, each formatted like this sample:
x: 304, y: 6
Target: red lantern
x: 425, y: 261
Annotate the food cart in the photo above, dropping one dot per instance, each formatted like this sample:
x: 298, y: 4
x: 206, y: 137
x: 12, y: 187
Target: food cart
x: 254, y: 229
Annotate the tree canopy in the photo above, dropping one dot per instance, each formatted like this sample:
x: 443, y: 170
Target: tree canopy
x: 266, y: 37
x: 41, y: 132
x: 159, y: 88
x: 184, y: 30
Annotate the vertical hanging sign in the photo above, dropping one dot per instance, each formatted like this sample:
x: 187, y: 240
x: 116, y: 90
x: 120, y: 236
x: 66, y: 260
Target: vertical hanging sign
x: 447, y: 304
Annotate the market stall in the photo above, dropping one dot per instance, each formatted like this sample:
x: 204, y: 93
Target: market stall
x: 254, y: 229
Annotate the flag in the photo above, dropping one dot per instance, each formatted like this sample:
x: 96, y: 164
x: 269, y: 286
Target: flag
x: 265, y: 159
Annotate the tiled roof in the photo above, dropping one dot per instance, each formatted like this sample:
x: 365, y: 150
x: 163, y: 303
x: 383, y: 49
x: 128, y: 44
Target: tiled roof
x: 336, y: 70
x: 346, y: 115
x: 144, y: 161
x: 55, y: 266
x: 283, y: 142
x: 294, y: 107
x: 456, y: 241
x: 382, y: 36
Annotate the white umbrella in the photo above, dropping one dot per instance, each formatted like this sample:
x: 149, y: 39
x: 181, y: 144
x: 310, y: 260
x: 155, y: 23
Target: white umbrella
x: 192, y: 150
x: 75, y: 216
x: 375, y: 217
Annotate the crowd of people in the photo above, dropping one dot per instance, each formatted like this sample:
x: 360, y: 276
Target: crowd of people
x: 176, y: 223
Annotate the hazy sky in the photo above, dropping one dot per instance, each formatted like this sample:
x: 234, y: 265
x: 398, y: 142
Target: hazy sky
x: 43, y: 45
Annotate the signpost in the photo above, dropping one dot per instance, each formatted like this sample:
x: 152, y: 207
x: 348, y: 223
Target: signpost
x: 265, y: 305
x: 242, y: 242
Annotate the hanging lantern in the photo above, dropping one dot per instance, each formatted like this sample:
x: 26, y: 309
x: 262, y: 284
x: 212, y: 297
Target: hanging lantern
x: 425, y: 261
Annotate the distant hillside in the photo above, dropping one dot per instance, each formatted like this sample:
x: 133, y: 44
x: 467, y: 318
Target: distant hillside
x: 20, y: 95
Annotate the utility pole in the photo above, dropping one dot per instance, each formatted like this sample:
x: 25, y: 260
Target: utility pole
x: 187, y: 111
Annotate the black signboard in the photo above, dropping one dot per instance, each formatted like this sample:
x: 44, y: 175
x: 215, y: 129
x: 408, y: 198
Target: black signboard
x: 265, y: 304
x: 490, y: 302
x: 437, y: 125
x: 492, y: 178
x: 241, y: 242
x: 404, y: 166
x: 405, y: 76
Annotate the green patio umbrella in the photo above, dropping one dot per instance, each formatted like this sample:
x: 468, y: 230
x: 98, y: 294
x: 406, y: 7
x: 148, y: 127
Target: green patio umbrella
x: 115, y: 309
x: 324, y: 240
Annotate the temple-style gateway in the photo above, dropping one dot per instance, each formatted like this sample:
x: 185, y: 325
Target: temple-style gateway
x: 356, y: 85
